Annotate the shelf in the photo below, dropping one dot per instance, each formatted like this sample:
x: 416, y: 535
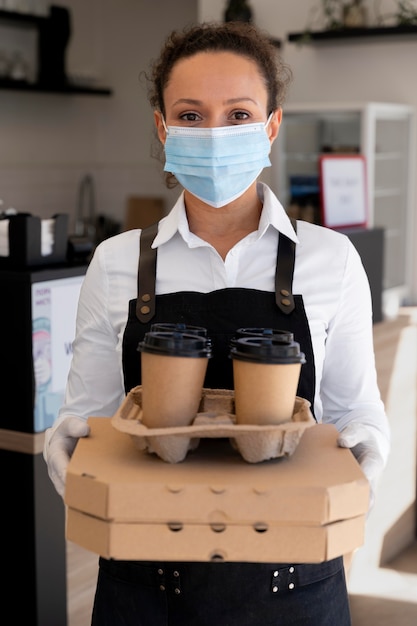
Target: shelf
x: 69, y: 89
x: 21, y: 18
x: 29, y: 20
x: 349, y: 34
x: 276, y: 42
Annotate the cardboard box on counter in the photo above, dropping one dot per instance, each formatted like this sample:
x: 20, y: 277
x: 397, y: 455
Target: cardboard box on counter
x: 128, y: 504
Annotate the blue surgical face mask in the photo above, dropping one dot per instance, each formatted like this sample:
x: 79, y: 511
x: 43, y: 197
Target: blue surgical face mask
x: 217, y: 165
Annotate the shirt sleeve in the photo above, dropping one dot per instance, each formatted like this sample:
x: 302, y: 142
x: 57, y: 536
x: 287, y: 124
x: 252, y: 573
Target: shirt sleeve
x: 349, y: 389
x: 95, y: 381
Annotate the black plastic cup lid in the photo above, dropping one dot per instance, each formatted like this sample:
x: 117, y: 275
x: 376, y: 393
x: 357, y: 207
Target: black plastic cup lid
x: 280, y: 335
x: 175, y: 343
x: 266, y: 350
x: 184, y: 328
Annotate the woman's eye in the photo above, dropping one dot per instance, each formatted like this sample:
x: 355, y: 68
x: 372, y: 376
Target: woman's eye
x: 189, y: 117
x: 240, y: 115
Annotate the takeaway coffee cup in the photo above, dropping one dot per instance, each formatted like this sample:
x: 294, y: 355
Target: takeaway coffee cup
x: 174, y: 365
x: 266, y: 374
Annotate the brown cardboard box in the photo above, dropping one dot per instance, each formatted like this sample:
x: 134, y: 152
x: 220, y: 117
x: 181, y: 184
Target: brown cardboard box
x: 143, y: 211
x: 128, y: 504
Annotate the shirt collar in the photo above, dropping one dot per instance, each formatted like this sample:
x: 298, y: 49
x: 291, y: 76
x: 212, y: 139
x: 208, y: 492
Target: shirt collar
x: 273, y: 214
x: 175, y: 221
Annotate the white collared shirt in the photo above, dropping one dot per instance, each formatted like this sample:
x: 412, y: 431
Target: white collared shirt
x: 328, y: 274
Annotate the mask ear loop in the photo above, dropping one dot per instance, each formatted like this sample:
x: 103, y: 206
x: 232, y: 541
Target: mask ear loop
x: 163, y: 123
x: 269, y: 119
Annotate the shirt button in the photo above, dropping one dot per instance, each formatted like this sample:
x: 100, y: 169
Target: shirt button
x: 177, y: 591
x: 276, y: 573
x: 274, y: 589
x: 291, y: 586
x: 291, y: 570
x: 162, y: 587
x: 160, y: 571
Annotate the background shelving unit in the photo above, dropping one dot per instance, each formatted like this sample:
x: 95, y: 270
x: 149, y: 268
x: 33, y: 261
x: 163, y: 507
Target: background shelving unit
x: 383, y: 133
x: 67, y: 89
x: 27, y: 20
x: 353, y: 34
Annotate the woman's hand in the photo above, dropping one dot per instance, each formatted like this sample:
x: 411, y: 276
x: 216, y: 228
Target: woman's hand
x: 364, y: 445
x: 60, y: 442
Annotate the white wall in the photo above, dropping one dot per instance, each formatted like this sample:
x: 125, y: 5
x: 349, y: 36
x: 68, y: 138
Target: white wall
x: 379, y: 71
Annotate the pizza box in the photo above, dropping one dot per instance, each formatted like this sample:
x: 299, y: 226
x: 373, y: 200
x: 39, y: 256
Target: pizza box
x: 127, y: 503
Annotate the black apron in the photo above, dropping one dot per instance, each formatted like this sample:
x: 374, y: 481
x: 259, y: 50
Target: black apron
x: 205, y: 593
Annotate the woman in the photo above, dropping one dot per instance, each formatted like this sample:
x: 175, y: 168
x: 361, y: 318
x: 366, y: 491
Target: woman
x: 217, y: 92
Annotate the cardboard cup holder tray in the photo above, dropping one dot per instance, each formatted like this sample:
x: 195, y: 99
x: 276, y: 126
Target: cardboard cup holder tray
x: 215, y: 419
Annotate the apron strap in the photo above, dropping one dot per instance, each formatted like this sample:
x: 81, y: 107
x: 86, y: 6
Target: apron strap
x: 145, y: 304
x: 285, y: 272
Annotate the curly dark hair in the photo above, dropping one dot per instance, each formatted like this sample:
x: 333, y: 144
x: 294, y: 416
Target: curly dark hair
x: 242, y: 38
x: 239, y: 37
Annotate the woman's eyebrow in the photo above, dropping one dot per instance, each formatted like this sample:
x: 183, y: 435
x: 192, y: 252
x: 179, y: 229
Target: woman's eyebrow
x: 192, y: 101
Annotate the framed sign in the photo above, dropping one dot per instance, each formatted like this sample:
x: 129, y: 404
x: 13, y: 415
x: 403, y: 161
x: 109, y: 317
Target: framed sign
x: 343, y: 190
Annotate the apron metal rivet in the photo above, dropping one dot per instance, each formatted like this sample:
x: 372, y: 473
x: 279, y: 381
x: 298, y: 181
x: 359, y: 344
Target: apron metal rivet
x: 146, y: 297
x: 284, y: 292
x: 286, y: 302
x: 145, y: 309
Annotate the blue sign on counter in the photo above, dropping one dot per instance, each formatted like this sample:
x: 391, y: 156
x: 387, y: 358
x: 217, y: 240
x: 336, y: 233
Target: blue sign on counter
x: 54, y: 307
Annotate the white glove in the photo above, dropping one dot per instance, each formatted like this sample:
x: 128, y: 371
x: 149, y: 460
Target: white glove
x: 60, y: 442
x: 365, y: 447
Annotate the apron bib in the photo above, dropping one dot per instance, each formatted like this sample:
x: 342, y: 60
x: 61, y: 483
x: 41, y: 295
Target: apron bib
x: 222, y: 312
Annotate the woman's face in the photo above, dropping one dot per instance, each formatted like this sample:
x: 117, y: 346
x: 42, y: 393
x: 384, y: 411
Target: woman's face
x: 212, y: 89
